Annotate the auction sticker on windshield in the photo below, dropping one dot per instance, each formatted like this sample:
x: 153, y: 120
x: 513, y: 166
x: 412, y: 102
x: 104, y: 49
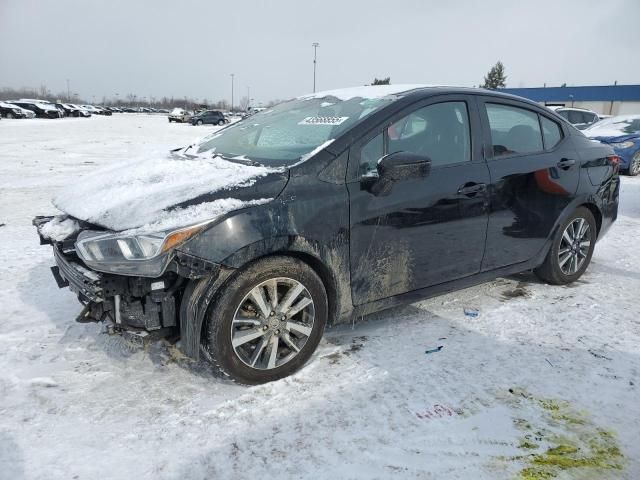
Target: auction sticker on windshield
x: 323, y: 120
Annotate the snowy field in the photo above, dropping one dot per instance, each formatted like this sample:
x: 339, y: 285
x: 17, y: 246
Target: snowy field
x: 543, y: 383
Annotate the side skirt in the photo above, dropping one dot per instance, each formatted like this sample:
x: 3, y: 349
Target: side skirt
x: 442, y: 288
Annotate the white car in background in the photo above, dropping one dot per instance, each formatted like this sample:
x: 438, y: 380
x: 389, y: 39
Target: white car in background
x: 580, y: 118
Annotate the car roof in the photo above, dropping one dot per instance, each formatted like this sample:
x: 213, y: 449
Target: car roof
x: 411, y: 91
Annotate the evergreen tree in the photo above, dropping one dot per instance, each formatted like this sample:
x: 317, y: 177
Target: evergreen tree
x: 382, y: 81
x: 495, y: 78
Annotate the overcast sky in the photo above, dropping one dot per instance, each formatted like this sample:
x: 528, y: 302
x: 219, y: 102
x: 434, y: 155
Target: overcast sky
x: 190, y: 47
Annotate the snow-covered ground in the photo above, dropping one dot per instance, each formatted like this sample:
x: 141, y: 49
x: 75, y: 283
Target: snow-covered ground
x: 545, y: 380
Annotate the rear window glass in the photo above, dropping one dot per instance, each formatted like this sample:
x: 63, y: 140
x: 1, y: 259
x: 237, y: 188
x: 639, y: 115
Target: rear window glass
x: 513, y: 130
x: 551, y: 132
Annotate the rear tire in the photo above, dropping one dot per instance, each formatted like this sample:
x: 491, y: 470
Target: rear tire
x: 277, y: 325
x: 571, y: 251
x: 634, y: 165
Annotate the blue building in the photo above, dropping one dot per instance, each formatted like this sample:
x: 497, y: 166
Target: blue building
x: 606, y: 99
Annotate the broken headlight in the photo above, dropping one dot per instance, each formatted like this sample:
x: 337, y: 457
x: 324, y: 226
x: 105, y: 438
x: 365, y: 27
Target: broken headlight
x: 144, y: 255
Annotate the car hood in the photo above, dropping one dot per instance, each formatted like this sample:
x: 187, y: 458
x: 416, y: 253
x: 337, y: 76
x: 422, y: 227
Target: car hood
x: 157, y: 194
x: 618, y: 138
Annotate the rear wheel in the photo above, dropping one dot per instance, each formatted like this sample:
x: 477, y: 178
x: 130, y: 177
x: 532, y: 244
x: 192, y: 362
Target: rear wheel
x: 571, y: 250
x: 634, y: 164
x: 267, y: 321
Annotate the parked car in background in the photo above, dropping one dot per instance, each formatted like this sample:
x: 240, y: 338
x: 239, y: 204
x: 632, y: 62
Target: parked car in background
x: 180, y: 115
x: 210, y: 117
x: 8, y: 110
x: 580, y: 118
x: 68, y: 110
x: 96, y: 110
x: 328, y: 207
x: 41, y: 109
x: 82, y: 112
x: 623, y: 134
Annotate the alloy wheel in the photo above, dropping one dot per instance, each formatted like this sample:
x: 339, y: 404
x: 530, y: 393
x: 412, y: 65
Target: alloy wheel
x: 634, y: 167
x: 574, y: 246
x: 272, y: 323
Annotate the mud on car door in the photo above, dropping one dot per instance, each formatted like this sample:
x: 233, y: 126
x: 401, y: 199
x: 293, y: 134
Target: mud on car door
x: 423, y: 229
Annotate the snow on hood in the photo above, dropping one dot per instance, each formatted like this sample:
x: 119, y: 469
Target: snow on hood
x: 367, y: 91
x: 623, y: 125
x: 135, y: 194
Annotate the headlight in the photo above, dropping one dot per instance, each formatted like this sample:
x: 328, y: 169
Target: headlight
x: 143, y: 254
x: 622, y: 145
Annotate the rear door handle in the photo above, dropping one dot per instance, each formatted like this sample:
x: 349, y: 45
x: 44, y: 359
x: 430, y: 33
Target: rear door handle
x: 470, y: 189
x: 566, y: 163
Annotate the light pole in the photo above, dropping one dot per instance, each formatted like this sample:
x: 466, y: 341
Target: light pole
x: 68, y: 91
x: 315, y: 46
x: 232, y: 75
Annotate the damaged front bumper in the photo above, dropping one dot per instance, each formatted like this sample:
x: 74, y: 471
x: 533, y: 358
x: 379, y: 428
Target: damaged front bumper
x: 136, y: 304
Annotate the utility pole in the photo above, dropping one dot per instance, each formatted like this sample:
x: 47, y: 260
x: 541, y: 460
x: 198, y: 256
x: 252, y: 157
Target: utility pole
x: 248, y: 97
x: 68, y: 91
x: 315, y: 46
x: 232, y: 75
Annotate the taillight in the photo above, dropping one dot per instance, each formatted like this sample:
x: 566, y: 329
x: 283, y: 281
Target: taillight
x: 614, y: 160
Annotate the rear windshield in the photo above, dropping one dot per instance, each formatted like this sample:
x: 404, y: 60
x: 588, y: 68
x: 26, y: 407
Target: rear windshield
x: 282, y: 135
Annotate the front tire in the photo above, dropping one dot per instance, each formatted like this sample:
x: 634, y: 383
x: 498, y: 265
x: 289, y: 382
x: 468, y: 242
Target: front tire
x: 9, y: 115
x: 220, y: 122
x: 199, y: 122
x: 267, y: 320
x: 634, y: 165
x: 571, y: 251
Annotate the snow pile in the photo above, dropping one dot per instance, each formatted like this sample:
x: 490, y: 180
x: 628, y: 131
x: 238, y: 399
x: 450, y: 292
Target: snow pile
x: 367, y: 91
x: 194, y: 214
x: 130, y: 195
x: 59, y: 228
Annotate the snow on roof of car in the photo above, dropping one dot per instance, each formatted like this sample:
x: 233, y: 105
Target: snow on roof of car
x: 614, y: 126
x: 367, y: 91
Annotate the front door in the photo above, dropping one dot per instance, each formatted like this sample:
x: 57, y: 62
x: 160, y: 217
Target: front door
x: 425, y: 230
x: 534, y: 176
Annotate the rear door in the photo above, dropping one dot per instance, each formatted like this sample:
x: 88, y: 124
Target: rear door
x: 426, y: 230
x: 534, y: 175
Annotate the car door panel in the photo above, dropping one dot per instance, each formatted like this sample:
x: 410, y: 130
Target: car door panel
x: 426, y: 231
x: 528, y: 192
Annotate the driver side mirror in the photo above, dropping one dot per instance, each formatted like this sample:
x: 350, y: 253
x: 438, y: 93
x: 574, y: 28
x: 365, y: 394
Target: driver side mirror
x: 397, y: 167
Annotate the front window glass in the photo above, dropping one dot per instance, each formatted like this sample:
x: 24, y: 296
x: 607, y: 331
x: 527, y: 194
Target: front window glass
x: 513, y: 130
x: 285, y: 133
x: 439, y: 131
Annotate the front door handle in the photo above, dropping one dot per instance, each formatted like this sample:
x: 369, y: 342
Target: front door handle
x: 471, y: 189
x: 566, y: 163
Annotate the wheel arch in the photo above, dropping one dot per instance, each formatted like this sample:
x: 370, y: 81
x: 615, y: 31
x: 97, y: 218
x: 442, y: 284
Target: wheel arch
x: 200, y: 294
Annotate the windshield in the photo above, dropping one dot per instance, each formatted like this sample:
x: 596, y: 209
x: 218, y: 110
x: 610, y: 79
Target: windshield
x: 280, y: 136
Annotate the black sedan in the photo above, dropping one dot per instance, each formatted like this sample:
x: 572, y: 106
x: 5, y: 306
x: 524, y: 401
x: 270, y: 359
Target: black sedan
x: 8, y: 110
x: 42, y: 110
x: 328, y: 207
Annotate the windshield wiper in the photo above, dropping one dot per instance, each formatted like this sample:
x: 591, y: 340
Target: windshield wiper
x: 242, y: 161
